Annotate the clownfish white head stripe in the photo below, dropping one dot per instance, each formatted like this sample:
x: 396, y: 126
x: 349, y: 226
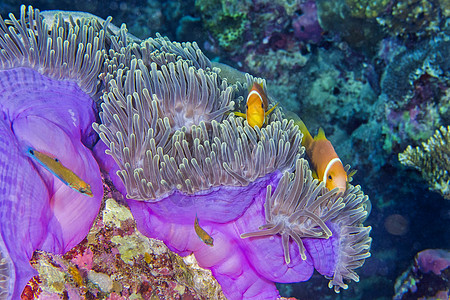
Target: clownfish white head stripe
x: 257, y: 107
x: 324, y: 161
x: 329, y: 165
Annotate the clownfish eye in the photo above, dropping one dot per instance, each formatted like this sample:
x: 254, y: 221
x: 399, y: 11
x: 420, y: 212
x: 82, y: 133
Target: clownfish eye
x: 329, y: 177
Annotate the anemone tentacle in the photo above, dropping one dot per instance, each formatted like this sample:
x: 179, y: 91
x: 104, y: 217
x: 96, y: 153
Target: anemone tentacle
x: 49, y: 82
x: 64, y: 51
x: 167, y: 128
x: 302, y: 208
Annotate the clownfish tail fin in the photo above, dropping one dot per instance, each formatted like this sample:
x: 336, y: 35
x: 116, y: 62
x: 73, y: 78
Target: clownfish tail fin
x: 307, y: 138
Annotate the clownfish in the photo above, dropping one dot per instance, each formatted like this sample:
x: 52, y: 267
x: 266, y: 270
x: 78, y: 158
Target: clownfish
x: 202, y: 234
x: 54, y: 166
x: 257, y: 105
x: 325, y: 162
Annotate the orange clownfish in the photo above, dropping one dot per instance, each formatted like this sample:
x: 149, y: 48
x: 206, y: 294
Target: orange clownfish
x: 324, y: 160
x: 54, y: 166
x: 257, y: 105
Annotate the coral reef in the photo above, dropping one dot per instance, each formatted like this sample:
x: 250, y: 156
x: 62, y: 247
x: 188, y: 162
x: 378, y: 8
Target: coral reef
x: 362, y: 34
x: 179, y: 154
x: 115, y: 261
x: 432, y: 160
x: 415, y: 94
x: 367, y: 8
x: 225, y: 20
x: 414, y: 18
x: 427, y: 278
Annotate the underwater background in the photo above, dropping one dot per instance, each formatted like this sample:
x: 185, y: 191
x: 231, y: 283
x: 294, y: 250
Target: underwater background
x: 375, y: 75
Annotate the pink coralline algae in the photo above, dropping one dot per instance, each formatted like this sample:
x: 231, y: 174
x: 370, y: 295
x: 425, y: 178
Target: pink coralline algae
x: 121, y: 264
x: 433, y: 260
x: 426, y: 278
x: 178, y: 154
x: 306, y: 26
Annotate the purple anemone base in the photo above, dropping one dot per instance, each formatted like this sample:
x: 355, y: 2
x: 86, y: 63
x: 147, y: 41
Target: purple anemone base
x: 245, y: 268
x: 37, y: 210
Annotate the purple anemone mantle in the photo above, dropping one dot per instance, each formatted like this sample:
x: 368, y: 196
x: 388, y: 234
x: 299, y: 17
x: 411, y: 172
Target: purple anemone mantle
x: 37, y: 210
x: 245, y: 268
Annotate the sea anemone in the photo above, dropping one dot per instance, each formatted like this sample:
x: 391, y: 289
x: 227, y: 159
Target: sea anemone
x: 165, y: 127
x: 180, y: 153
x: 49, y: 83
x: 301, y: 207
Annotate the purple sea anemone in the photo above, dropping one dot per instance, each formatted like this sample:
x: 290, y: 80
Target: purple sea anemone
x: 47, y: 91
x: 179, y: 154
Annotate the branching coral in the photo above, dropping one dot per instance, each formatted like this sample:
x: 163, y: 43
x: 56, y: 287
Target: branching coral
x: 432, y: 160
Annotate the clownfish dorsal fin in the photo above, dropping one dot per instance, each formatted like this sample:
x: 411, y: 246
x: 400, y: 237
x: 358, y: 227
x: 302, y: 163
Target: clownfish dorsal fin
x: 307, y: 138
x: 320, y: 135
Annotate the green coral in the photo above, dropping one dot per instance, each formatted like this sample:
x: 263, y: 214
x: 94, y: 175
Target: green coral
x: 226, y: 20
x: 367, y: 8
x: 432, y: 160
x: 419, y: 17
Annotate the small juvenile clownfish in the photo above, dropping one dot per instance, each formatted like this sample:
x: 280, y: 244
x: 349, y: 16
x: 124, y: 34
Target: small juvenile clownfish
x: 324, y: 160
x: 202, y: 234
x: 257, y: 105
x: 54, y: 166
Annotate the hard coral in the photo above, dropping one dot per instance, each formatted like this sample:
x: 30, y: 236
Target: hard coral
x: 413, y: 18
x: 367, y: 8
x: 432, y: 160
x: 226, y: 20
x: 415, y: 90
x: 123, y: 264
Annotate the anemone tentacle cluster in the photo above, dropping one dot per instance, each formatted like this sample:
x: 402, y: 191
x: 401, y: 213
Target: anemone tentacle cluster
x: 301, y: 207
x: 176, y: 134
